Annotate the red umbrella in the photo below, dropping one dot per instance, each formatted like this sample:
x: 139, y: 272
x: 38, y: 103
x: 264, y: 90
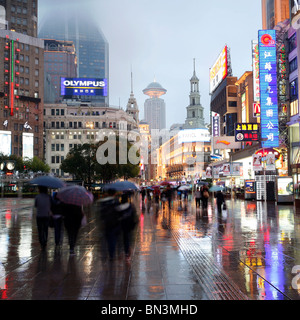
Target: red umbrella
x: 75, y: 195
x: 164, y: 183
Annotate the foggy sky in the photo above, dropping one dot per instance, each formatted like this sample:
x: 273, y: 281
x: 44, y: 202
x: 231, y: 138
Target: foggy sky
x: 160, y: 38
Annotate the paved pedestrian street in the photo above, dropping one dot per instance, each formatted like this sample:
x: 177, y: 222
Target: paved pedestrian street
x: 249, y: 252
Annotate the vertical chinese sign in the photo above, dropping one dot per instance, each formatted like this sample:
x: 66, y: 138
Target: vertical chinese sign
x: 268, y: 88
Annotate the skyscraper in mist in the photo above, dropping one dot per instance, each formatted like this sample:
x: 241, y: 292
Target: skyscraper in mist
x: 74, y: 23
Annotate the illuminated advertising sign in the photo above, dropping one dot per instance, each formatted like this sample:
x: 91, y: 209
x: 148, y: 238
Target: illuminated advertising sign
x: 83, y: 87
x: 226, y: 142
x: 268, y: 88
x: 5, y: 142
x: 218, y: 72
x: 216, y: 124
x: 27, y: 145
x: 255, y: 68
x: 256, y: 109
x: 285, y: 186
x: 246, y: 132
x: 193, y: 135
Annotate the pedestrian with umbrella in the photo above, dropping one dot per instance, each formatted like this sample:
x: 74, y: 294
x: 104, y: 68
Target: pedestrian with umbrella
x: 43, y: 210
x: 73, y: 198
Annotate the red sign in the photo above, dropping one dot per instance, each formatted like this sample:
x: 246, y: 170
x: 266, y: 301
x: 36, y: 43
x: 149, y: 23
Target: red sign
x: 256, y: 109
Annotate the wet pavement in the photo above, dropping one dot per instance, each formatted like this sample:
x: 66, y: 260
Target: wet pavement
x: 251, y: 251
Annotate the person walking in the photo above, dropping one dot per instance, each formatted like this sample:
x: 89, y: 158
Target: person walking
x: 169, y: 195
x: 205, y: 196
x: 43, y: 211
x: 57, y: 216
x: 128, y: 219
x: 110, y: 221
x: 220, y: 200
x: 73, y: 215
x: 197, y: 197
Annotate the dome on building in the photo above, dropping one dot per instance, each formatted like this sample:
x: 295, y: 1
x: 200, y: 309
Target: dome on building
x: 154, y: 89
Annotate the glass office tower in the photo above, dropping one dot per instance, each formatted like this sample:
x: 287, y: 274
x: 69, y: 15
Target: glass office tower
x: 75, y: 23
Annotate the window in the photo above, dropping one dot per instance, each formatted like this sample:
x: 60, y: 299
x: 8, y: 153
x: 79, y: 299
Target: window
x: 62, y: 147
x: 294, y: 109
x: 52, y: 147
x: 294, y: 90
x: 292, y: 42
x: 293, y: 65
x: 52, y: 112
x: 53, y: 159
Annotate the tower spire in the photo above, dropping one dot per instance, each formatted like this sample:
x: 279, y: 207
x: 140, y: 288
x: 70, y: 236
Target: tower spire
x: 131, y: 81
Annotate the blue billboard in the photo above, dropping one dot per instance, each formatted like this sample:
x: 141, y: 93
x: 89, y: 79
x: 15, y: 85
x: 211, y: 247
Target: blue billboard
x: 83, y: 87
x: 268, y: 88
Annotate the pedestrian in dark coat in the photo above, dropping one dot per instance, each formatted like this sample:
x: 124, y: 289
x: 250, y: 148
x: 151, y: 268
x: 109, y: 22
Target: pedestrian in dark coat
x: 220, y: 200
x: 43, y: 211
x: 128, y: 219
x: 72, y: 220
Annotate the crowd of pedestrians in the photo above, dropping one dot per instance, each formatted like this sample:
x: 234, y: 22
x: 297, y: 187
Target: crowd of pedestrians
x: 117, y: 214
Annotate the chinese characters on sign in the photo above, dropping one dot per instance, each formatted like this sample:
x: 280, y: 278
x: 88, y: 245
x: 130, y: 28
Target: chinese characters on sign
x: 268, y: 88
x: 255, y: 68
x: 246, y: 132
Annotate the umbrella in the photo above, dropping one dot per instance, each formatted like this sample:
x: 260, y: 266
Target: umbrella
x: 164, y: 183
x: 48, y: 181
x: 121, y: 186
x: 75, y: 195
x: 184, y: 188
x: 202, y: 183
x: 216, y: 188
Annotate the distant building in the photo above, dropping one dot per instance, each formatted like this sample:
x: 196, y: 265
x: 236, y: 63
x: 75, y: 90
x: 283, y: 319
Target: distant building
x: 60, y: 61
x: 155, y: 107
x: 73, y: 23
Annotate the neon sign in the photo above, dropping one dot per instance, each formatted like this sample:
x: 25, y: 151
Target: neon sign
x: 268, y: 88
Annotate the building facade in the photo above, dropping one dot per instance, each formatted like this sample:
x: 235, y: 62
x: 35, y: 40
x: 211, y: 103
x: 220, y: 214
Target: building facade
x: 70, y: 124
x: 22, y: 81
x: 60, y: 60
x: 273, y: 12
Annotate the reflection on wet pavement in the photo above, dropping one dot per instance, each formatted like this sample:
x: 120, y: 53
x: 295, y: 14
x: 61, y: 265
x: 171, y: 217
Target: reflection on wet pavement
x: 251, y: 251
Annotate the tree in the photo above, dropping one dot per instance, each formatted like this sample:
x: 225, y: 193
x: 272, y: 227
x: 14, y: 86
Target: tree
x: 82, y: 162
x: 36, y: 164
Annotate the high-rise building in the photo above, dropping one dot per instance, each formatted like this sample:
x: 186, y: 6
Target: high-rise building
x: 21, y: 81
x: 155, y: 107
x: 73, y: 23
x: 274, y: 11
x: 195, y: 116
x: 60, y: 61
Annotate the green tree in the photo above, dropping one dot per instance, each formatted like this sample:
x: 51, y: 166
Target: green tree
x: 83, y: 164
x: 36, y: 164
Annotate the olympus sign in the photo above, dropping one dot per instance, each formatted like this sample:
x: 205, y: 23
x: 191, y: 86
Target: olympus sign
x: 80, y: 83
x: 84, y: 87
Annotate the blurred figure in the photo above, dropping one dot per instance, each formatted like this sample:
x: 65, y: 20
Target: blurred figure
x: 220, y: 201
x: 72, y: 220
x: 156, y: 193
x: 43, y: 211
x: 205, y: 196
x: 128, y: 218
x: 197, y: 197
x: 57, y: 212
x: 111, y: 221
x: 169, y: 195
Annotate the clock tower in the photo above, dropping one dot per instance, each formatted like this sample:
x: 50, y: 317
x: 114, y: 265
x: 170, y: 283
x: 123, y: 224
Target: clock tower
x: 195, y: 115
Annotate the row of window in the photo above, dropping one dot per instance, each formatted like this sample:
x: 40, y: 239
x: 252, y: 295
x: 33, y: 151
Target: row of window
x: 61, y: 146
x: 78, y: 125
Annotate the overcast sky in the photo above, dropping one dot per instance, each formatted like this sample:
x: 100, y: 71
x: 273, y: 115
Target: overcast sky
x: 160, y: 38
